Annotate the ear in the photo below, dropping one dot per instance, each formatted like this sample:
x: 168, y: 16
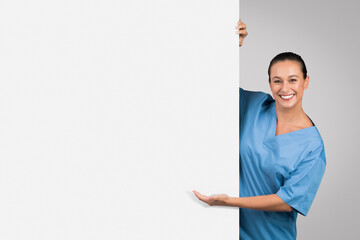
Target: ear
x: 306, y: 84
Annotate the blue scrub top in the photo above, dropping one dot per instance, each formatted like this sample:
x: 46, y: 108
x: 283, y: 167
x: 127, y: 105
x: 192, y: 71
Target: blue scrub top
x: 290, y: 165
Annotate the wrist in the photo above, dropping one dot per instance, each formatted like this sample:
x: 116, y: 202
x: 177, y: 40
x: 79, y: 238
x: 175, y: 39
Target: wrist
x: 231, y: 201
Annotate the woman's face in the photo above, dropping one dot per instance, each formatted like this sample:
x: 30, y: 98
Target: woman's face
x: 287, y: 83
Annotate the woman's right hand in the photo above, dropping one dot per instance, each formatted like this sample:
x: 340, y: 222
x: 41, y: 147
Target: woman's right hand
x: 241, y: 27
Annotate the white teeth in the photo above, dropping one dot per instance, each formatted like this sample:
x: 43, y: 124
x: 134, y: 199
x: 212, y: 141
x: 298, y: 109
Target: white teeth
x: 287, y: 97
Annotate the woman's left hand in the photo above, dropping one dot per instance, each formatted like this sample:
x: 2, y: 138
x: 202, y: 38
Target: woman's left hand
x: 214, y: 200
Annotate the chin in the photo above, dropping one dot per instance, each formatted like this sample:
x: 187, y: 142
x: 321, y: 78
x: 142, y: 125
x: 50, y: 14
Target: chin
x: 287, y: 105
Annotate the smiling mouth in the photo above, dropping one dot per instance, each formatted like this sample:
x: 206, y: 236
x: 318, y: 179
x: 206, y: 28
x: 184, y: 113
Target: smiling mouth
x: 287, y: 97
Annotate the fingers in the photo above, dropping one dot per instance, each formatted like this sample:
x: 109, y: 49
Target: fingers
x: 243, y: 33
x: 241, y: 42
x: 241, y: 30
x: 241, y: 26
x: 201, y: 197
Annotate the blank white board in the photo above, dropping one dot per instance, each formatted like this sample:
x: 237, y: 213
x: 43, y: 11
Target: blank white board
x: 111, y: 112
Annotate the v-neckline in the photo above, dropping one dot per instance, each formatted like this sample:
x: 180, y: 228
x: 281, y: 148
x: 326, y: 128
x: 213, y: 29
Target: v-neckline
x: 273, y: 123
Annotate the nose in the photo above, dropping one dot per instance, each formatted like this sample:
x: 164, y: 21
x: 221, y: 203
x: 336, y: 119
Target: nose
x: 285, y: 87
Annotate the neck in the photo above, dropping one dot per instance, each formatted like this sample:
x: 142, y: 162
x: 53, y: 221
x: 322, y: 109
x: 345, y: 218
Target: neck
x: 289, y: 115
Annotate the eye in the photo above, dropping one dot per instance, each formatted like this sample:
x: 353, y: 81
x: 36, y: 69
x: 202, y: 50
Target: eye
x: 276, y: 81
x: 293, y: 80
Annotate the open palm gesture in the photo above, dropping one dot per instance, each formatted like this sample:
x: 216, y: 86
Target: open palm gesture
x: 213, y: 200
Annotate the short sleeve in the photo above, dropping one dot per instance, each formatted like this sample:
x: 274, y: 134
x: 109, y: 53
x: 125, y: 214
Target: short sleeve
x: 300, y: 188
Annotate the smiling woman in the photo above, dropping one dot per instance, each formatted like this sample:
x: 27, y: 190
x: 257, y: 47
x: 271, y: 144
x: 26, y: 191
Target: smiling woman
x: 288, y: 79
x: 282, y: 155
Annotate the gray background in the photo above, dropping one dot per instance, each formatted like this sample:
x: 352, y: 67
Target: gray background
x: 111, y: 112
x: 326, y: 35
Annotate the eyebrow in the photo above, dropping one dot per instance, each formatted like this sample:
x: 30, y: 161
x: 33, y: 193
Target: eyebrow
x: 289, y: 76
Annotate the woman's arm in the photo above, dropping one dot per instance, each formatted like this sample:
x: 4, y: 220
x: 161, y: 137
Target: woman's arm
x: 270, y: 202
